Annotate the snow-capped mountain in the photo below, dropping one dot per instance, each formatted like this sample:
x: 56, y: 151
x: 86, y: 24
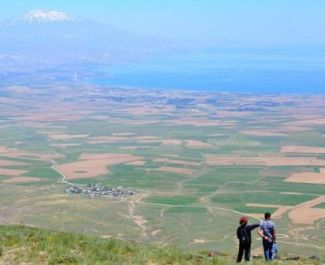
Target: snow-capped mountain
x: 45, y: 16
x: 42, y: 39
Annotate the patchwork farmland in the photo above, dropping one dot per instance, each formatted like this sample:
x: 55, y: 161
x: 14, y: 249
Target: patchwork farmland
x: 198, y: 162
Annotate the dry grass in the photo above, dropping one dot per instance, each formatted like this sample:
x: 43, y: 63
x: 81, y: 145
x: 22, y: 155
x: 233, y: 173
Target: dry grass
x: 215, y: 160
x: 303, y: 149
x: 11, y: 172
x: 176, y: 161
x: 92, y: 165
x: 308, y: 177
x: 304, y: 213
x: 176, y: 170
x: 21, y: 180
x: 198, y: 144
x: 263, y: 133
x: 6, y: 163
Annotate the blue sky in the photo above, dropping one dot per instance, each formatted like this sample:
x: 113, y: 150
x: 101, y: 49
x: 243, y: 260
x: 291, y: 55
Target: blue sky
x: 243, y: 22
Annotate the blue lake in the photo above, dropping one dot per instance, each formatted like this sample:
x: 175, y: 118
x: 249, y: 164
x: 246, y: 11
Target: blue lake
x: 224, y: 70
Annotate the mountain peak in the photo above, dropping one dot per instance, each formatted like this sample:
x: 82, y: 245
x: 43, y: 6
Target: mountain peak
x: 45, y: 16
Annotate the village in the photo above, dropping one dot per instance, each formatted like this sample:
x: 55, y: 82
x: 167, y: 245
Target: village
x: 98, y: 190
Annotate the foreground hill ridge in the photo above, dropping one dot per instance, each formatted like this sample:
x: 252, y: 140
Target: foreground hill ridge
x: 27, y: 245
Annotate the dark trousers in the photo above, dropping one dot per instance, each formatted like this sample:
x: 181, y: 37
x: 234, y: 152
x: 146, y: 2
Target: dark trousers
x: 267, y: 246
x: 244, y: 247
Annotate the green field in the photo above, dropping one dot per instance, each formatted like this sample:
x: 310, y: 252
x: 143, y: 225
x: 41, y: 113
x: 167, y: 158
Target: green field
x: 182, y: 198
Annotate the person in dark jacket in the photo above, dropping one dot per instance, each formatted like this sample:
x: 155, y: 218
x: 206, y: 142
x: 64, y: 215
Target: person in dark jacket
x: 245, y: 238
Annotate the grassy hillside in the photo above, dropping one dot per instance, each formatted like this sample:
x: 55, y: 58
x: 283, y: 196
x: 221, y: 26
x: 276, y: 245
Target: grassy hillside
x: 26, y: 245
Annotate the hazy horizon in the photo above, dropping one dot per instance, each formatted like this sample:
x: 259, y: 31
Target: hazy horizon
x: 240, y: 22
x: 247, y: 46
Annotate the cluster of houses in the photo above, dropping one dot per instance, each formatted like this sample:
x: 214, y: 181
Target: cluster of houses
x: 98, y: 190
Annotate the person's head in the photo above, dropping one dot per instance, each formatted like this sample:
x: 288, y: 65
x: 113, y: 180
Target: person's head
x: 243, y: 220
x: 267, y: 216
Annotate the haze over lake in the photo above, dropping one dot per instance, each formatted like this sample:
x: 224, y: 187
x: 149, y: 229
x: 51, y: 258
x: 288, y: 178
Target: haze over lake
x: 208, y: 45
x: 239, y: 70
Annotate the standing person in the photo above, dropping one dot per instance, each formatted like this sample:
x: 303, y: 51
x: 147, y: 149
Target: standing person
x: 245, y: 238
x: 267, y: 232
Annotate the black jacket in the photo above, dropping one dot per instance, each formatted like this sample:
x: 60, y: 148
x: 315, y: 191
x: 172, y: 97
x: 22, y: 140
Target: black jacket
x: 244, y: 232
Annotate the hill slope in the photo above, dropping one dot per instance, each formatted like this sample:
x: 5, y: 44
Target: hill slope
x: 26, y: 245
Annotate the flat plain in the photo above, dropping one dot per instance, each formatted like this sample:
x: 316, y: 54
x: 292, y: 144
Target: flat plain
x: 197, y: 161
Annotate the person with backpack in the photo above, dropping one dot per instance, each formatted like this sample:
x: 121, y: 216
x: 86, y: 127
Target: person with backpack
x: 267, y: 232
x: 275, y: 251
x: 245, y: 238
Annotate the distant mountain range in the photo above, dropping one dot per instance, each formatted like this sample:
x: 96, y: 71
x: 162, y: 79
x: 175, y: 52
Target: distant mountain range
x: 53, y: 44
x: 45, y: 40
